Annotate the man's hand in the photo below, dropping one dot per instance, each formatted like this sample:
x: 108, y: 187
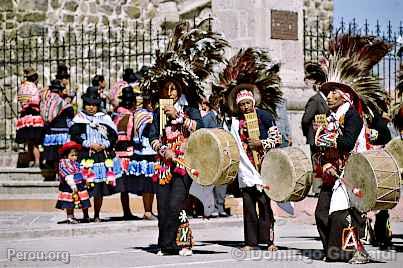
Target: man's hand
x: 254, y: 144
x: 329, y: 169
x: 171, y: 112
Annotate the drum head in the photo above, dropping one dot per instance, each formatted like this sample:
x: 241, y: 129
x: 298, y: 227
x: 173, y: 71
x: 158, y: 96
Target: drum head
x: 204, y: 153
x: 278, y: 174
x: 395, y: 148
x: 359, y: 174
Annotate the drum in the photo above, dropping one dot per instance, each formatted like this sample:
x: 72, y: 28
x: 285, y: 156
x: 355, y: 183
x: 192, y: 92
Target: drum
x: 288, y: 174
x: 395, y: 148
x: 372, y: 180
x: 215, y: 154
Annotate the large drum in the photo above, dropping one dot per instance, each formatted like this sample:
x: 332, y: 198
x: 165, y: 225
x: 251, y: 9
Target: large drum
x: 214, y: 153
x: 288, y: 174
x: 395, y: 148
x: 372, y: 180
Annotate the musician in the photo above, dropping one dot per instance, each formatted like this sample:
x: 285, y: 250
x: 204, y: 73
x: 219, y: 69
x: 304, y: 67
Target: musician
x: 258, y: 228
x: 183, y: 117
x: 345, y: 79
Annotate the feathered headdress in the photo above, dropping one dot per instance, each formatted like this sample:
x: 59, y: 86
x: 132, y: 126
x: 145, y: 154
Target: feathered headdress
x: 200, y: 47
x: 347, y: 66
x: 397, y: 107
x: 189, y: 58
x: 251, y: 69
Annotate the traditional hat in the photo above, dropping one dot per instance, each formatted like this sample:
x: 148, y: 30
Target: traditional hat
x: 69, y: 146
x: 129, y: 76
x: 56, y: 86
x: 251, y: 70
x: 347, y: 67
x: 188, y: 59
x: 29, y: 71
x: 92, y: 96
x: 128, y: 96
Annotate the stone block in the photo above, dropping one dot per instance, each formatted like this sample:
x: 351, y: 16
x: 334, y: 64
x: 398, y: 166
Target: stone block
x: 105, y: 9
x: 67, y: 18
x: 55, y: 4
x: 41, y: 5
x: 83, y: 7
x: 118, y: 10
x: 10, y: 25
x: 92, y: 20
x: 92, y: 7
x: 7, y: 5
x: 228, y: 22
x: 35, y: 17
x: 105, y: 20
x: 9, y: 15
x: 71, y: 6
x: 133, y: 12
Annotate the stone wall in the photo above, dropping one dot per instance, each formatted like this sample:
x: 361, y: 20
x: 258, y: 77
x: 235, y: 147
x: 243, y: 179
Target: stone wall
x: 23, y: 17
x: 35, y: 16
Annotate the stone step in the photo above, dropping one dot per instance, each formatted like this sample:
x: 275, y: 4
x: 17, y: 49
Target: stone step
x: 45, y: 202
x: 20, y: 174
x: 28, y: 187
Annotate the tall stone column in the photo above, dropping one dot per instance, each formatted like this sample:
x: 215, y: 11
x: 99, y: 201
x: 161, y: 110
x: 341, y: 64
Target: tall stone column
x: 276, y: 25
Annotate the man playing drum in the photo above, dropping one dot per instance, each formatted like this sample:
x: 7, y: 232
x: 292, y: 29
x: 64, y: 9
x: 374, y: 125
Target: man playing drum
x: 251, y: 80
x: 258, y: 228
x: 174, y: 82
x: 344, y: 132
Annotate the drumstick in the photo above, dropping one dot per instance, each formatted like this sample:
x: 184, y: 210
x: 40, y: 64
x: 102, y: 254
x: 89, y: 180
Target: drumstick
x: 194, y: 172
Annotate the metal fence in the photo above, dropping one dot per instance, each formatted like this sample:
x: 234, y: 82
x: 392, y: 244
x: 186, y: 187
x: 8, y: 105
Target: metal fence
x: 100, y: 50
x: 87, y: 51
x: 316, y: 40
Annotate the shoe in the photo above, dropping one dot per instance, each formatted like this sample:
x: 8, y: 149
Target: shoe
x: 360, y: 257
x: 71, y: 221
x: 131, y: 217
x: 223, y: 214
x: 185, y: 252
x: 85, y: 220
x: 247, y: 248
x: 150, y: 217
x: 272, y: 248
x: 214, y: 215
x: 97, y: 220
x: 160, y: 253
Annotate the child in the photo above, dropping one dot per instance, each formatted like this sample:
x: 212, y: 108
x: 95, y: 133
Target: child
x: 73, y: 191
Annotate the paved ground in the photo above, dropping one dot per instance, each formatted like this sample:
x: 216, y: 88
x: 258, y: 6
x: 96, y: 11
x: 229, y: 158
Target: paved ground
x: 217, y: 243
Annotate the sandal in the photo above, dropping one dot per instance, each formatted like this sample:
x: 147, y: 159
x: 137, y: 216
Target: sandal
x: 272, y: 248
x: 247, y: 248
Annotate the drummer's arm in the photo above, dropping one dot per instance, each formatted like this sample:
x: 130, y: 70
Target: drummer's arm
x: 352, y: 128
x: 193, y: 119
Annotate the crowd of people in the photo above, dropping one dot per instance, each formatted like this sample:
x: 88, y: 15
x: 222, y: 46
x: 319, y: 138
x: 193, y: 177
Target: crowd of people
x: 138, y: 145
